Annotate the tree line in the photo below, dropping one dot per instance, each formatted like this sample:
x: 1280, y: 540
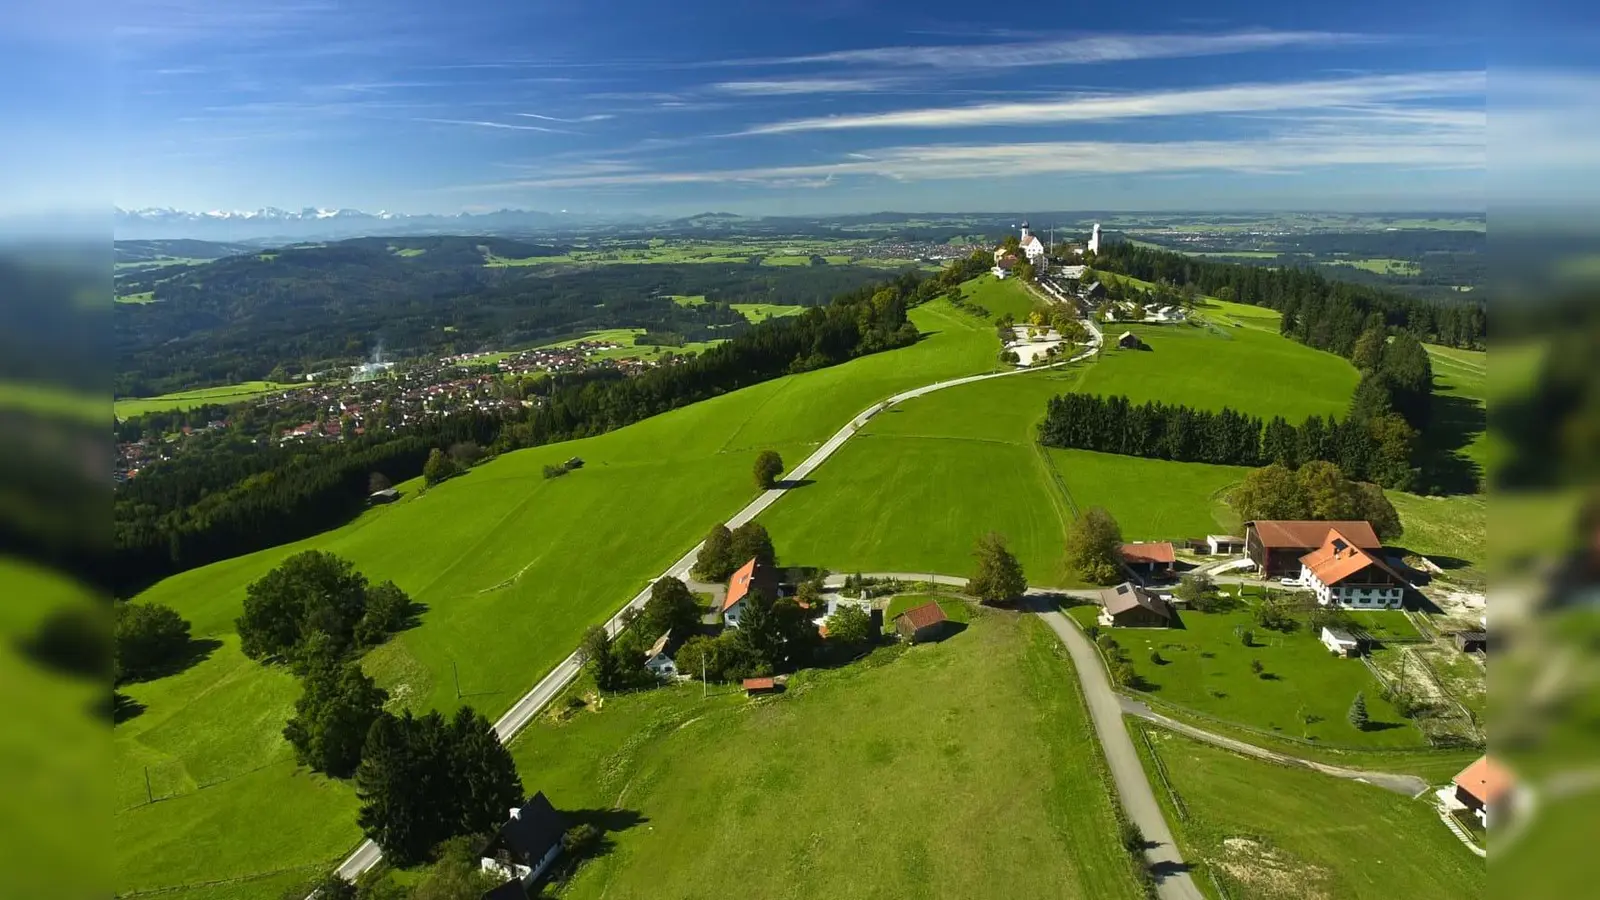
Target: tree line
x: 200, y: 508
x: 1170, y: 431
x: 1322, y: 313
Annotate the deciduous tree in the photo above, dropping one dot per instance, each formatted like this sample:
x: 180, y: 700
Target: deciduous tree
x: 438, y: 467
x: 850, y: 624
x: 750, y: 541
x: 671, y: 607
x: 149, y: 639
x: 998, y: 577
x: 769, y: 465
x: 1092, y: 543
x: 715, y: 562
x: 336, y: 709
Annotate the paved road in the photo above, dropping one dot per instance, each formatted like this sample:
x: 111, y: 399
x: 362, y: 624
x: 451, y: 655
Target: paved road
x: 367, y: 855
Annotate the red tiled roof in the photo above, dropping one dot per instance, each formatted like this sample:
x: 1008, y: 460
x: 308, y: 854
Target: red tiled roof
x: 922, y: 616
x: 739, y: 584
x: 759, y: 684
x: 1485, y: 780
x: 1148, y: 552
x: 1306, y: 534
x: 1338, y: 558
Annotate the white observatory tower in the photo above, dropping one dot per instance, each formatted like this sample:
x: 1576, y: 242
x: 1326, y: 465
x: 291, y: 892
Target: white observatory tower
x: 1094, y: 239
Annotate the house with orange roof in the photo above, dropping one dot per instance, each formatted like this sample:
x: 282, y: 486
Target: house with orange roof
x: 1148, y: 557
x: 1276, y: 545
x: 1484, y: 786
x: 752, y: 577
x: 1342, y: 574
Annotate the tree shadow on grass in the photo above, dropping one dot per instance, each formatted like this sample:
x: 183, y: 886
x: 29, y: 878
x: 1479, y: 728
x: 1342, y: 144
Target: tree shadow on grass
x: 1383, y: 726
x: 1454, y: 423
x: 197, y: 651
x: 124, y: 708
x: 794, y: 484
x: 412, y: 616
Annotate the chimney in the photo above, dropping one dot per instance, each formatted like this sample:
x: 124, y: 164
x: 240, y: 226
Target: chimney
x: 516, y: 812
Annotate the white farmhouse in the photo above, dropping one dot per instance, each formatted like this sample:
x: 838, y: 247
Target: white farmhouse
x: 658, y: 659
x: 1342, y: 574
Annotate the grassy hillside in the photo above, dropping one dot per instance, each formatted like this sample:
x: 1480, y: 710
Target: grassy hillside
x: 879, y: 779
x: 924, y: 480
x: 1269, y: 832
x: 511, y: 566
x: 228, y: 393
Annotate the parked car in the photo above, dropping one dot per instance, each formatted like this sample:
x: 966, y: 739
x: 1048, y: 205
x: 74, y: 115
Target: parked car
x: 1291, y: 582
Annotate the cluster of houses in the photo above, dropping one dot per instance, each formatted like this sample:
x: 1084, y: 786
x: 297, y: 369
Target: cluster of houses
x: 1339, y: 562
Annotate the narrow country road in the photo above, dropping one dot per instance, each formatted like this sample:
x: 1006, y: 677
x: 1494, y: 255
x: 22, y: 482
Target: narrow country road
x: 522, y: 712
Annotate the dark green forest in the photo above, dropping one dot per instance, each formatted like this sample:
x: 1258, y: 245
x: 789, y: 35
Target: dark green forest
x: 302, y: 309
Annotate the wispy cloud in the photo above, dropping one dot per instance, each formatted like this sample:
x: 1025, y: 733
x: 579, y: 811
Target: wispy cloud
x: 1439, y: 147
x: 1077, y: 51
x: 1238, y: 98
x: 805, y: 86
x: 596, y: 117
x: 480, y: 123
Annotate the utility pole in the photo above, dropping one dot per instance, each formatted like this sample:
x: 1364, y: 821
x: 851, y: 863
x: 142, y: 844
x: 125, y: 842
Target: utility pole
x: 456, y: 674
x: 148, y: 796
x: 702, y: 675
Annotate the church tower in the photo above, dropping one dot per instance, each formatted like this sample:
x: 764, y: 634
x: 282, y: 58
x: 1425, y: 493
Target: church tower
x: 1094, y: 239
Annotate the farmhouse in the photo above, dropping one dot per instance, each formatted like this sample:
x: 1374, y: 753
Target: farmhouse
x: 1128, y: 341
x: 524, y: 847
x: 1342, y: 574
x: 1483, y: 786
x: 1004, y: 262
x: 1340, y: 642
x: 921, y: 624
x: 1276, y: 546
x: 1148, y: 557
x: 658, y: 659
x: 1130, y: 606
x: 751, y: 577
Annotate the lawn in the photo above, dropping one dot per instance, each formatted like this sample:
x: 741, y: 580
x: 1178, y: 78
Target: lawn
x: 1000, y: 296
x: 1458, y: 432
x: 1206, y: 668
x: 758, y: 312
x: 1267, y: 831
x: 1152, y: 499
x: 129, y: 407
x: 1452, y: 531
x: 879, y: 779
x: 511, y: 566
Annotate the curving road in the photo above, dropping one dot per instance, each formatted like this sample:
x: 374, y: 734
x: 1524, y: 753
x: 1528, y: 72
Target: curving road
x: 367, y: 854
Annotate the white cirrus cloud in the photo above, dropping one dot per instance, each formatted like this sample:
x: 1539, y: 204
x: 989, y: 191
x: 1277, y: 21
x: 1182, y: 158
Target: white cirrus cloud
x: 482, y: 123
x: 1077, y: 51
x: 790, y: 86
x: 596, y: 117
x: 1233, y: 98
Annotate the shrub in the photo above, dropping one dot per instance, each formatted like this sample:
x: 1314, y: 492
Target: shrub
x: 1132, y: 837
x: 1247, y: 638
x: 555, y: 471
x: 580, y: 840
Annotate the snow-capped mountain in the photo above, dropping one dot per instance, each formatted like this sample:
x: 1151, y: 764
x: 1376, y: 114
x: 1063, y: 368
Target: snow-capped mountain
x: 315, y: 223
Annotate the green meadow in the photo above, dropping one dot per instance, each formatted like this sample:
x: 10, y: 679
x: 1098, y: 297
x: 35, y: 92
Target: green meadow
x: 1303, y: 692
x: 759, y: 312
x: 129, y: 407
x: 1380, y: 265
x: 882, y: 778
x: 1273, y: 832
x: 511, y: 567
x: 923, y: 480
x: 1000, y: 297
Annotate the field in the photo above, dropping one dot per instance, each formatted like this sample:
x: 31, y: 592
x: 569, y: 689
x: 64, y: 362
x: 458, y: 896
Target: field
x: 879, y: 779
x: 511, y: 566
x: 758, y: 312
x: 1380, y: 266
x: 229, y: 393
x: 768, y: 251
x: 1206, y: 668
x: 1268, y: 832
x: 140, y: 297
x: 925, y: 479
x: 999, y: 297
x: 1457, y: 436
x: 630, y: 350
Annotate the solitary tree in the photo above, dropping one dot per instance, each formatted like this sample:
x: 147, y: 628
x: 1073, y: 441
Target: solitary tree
x: 850, y: 624
x: 1197, y: 590
x: 149, y: 638
x: 999, y: 577
x: 1257, y: 667
x: 309, y: 592
x: 769, y: 465
x: 438, y: 467
x: 332, y: 717
x: 1358, y: 712
x: 1092, y: 543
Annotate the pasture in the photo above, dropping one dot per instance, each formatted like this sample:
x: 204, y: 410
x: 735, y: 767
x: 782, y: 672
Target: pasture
x: 1303, y: 692
x: 760, y: 312
x: 129, y: 407
x: 1268, y: 832
x: 1000, y: 297
x: 511, y: 567
x: 1379, y: 265
x: 881, y: 778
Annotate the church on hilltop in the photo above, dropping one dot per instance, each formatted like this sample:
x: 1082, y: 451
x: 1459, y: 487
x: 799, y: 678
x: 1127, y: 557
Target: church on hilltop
x: 1028, y: 245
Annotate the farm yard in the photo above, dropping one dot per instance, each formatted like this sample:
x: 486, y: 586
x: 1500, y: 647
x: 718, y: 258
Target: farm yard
x: 876, y: 779
x: 511, y: 567
x: 1267, y: 831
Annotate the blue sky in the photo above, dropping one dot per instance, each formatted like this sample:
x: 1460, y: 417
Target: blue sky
x: 766, y: 107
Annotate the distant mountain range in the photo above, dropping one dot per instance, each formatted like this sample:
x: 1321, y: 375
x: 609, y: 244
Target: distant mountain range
x: 311, y: 223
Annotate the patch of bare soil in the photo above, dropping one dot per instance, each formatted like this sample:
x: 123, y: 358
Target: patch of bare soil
x: 1270, y: 872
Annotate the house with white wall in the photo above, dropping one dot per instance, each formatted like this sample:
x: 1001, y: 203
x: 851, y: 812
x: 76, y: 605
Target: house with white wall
x: 1344, y: 575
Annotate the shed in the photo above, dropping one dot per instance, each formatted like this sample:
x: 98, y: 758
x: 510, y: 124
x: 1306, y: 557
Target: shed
x: 1129, y: 341
x: 387, y: 495
x: 1148, y: 556
x: 1472, y: 641
x: 1341, y: 643
x: 921, y: 624
x: 1130, y: 606
x: 755, y: 686
x: 1220, y: 544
